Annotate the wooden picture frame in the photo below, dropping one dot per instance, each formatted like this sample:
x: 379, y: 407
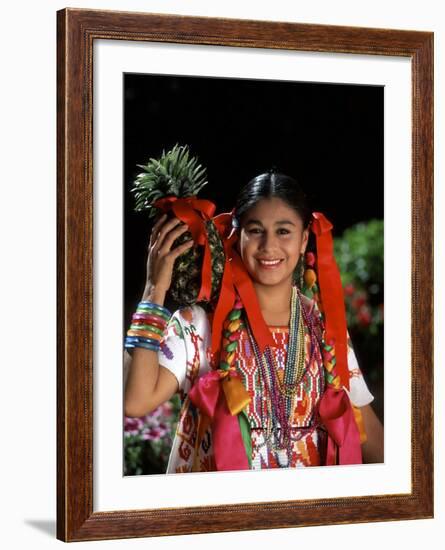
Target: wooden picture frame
x: 77, y: 31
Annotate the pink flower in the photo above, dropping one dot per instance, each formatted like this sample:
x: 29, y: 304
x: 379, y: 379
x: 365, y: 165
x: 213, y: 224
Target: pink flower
x: 153, y: 434
x: 167, y: 408
x: 132, y: 426
x: 349, y: 289
x: 360, y: 301
x: 364, y: 316
x: 156, y: 413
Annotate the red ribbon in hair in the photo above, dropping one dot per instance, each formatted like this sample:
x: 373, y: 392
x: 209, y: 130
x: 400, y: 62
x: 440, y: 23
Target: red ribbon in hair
x: 194, y: 212
x: 334, y: 408
x: 235, y: 276
x: 331, y: 292
x: 207, y: 393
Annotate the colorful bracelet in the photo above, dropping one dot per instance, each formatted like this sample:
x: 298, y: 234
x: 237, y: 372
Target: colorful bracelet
x: 154, y: 309
x: 151, y: 328
x: 159, y: 322
x: 147, y: 327
x: 145, y: 345
x: 145, y: 334
x: 142, y: 318
x: 140, y: 342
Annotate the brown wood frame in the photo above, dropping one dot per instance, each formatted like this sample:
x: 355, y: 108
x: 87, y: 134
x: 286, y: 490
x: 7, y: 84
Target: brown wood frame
x: 76, y: 32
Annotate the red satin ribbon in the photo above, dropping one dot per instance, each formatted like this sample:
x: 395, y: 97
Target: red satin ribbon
x: 336, y: 413
x: 208, y: 395
x: 226, y: 298
x: 235, y: 276
x: 334, y: 408
x: 246, y: 290
x: 194, y: 212
x: 331, y: 291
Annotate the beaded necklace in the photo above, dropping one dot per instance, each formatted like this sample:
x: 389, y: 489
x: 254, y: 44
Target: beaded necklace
x: 276, y: 405
x: 276, y: 408
x: 277, y: 401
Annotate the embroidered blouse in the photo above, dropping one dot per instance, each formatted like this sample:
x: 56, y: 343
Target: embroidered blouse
x: 185, y: 351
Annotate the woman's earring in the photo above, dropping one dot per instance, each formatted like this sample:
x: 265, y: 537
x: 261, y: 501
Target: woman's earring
x: 310, y: 277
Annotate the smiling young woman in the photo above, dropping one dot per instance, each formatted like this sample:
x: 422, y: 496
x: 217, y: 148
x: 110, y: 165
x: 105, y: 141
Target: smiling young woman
x: 281, y: 405
x: 272, y: 239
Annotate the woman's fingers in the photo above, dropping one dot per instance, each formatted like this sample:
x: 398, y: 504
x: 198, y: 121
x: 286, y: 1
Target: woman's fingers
x: 155, y: 229
x: 161, y: 256
x: 178, y: 250
x: 162, y: 232
x: 170, y: 238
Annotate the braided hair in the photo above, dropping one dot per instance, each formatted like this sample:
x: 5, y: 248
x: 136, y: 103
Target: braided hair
x: 273, y: 183
x: 263, y: 186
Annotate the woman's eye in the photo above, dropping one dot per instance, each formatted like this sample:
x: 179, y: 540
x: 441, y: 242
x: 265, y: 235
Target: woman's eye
x: 258, y: 231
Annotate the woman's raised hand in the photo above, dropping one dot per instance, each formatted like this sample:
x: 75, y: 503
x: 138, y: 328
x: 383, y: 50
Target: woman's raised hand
x: 161, y: 255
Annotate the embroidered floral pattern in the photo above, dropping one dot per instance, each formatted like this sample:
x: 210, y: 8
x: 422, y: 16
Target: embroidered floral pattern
x: 189, y: 355
x: 166, y: 351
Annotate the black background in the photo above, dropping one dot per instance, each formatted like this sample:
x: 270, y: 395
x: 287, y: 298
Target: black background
x: 327, y: 136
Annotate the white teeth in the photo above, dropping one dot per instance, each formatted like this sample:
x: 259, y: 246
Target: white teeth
x: 269, y: 262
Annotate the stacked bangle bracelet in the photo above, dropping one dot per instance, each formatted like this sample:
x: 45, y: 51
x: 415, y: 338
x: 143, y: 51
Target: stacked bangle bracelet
x: 147, y: 326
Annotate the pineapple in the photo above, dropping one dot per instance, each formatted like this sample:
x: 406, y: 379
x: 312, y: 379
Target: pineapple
x: 176, y: 174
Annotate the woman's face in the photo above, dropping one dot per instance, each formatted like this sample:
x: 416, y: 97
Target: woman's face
x: 271, y: 241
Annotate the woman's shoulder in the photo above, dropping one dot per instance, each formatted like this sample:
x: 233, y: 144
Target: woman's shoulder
x: 193, y: 316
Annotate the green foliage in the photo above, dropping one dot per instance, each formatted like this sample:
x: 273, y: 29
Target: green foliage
x: 359, y: 255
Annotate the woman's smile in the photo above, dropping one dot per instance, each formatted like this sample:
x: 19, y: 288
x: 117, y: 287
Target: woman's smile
x: 271, y: 241
x: 270, y: 264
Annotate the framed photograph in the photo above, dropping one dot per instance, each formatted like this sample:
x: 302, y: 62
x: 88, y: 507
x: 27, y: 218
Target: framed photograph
x: 347, y: 110
x: 254, y: 124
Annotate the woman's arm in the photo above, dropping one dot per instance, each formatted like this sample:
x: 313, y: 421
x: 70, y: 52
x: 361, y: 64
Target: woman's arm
x: 147, y: 383
x: 372, y: 448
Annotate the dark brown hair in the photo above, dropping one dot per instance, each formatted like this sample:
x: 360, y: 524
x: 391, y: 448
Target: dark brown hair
x: 272, y: 184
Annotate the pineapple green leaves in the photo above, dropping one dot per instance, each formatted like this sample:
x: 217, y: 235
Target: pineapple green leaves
x: 174, y: 173
x: 178, y: 174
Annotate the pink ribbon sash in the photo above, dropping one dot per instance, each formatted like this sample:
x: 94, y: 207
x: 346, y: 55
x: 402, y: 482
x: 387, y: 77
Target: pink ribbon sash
x: 208, y: 395
x: 336, y: 413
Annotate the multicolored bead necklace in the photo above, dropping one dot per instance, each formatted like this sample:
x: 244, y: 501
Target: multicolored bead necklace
x: 277, y: 407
